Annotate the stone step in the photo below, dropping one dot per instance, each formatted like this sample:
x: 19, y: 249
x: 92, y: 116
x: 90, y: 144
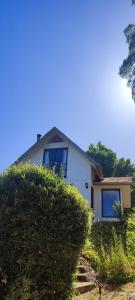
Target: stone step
x: 84, y: 277
x: 84, y: 269
x: 85, y: 296
x: 83, y: 287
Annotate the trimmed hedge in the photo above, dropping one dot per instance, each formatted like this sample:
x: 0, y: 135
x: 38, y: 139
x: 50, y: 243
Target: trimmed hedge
x: 43, y: 226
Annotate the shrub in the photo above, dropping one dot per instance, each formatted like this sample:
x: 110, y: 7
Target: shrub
x: 114, y: 265
x: 111, y: 249
x: 130, y: 237
x: 43, y: 226
x: 103, y: 233
x: 91, y: 255
x: 118, y: 211
x: 22, y: 289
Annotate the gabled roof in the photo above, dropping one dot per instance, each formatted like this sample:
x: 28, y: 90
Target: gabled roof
x: 48, y: 136
x: 115, y: 181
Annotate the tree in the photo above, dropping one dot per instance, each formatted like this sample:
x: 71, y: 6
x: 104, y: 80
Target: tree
x: 104, y: 156
x: 127, y: 70
x: 123, y: 167
x: 110, y: 164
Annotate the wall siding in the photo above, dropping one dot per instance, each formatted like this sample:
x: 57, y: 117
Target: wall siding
x: 78, y: 167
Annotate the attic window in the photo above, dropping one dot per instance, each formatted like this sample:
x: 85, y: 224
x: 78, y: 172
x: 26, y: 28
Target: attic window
x: 57, y: 159
x: 55, y: 139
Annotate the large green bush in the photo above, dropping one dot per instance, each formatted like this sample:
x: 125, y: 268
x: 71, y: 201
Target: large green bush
x: 43, y: 226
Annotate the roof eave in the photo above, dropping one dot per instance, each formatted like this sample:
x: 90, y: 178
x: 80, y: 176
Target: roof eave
x: 104, y: 184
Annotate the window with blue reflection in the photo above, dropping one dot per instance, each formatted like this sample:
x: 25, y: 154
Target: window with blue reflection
x: 57, y: 159
x: 109, y: 197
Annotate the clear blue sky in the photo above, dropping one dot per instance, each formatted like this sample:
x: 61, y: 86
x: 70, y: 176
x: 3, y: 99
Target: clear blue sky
x: 59, y: 62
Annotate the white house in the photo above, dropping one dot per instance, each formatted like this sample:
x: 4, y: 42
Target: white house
x: 56, y: 149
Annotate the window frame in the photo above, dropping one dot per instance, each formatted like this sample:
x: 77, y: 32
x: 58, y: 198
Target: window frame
x: 118, y: 190
x: 59, y: 148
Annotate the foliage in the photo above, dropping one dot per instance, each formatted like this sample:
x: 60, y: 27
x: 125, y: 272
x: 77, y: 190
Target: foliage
x: 118, y: 210
x: 104, y: 156
x: 22, y: 289
x: 110, y: 164
x: 103, y: 233
x: 123, y: 167
x: 88, y: 250
x: 114, y: 265
x: 130, y: 235
x: 91, y: 254
x: 127, y: 70
x: 111, y: 249
x: 43, y: 226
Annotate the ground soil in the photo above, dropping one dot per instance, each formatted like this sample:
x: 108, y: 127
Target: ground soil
x: 124, y: 292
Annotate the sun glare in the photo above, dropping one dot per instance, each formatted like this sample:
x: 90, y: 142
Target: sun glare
x: 125, y: 90
x: 122, y: 104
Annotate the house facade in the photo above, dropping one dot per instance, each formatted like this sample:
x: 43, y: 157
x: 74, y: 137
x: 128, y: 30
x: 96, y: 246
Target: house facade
x: 56, y: 150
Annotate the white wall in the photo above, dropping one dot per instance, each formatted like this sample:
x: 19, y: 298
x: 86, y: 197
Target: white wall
x: 78, y: 167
